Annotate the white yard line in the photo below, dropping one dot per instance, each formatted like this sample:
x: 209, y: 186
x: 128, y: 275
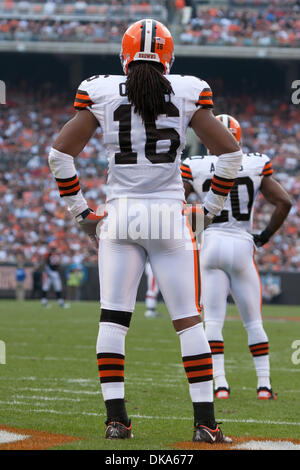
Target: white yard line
x: 59, y: 390
x: 45, y: 398
x: 50, y: 358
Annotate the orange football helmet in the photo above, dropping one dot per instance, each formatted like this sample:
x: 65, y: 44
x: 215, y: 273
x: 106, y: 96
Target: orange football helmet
x: 232, y: 124
x: 147, y: 40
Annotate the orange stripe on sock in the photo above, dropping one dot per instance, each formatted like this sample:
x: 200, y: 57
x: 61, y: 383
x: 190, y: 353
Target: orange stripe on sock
x: 199, y: 373
x: 111, y: 373
x: 198, y: 362
x: 108, y: 360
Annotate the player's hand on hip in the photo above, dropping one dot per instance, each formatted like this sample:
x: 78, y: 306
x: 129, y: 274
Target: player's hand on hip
x: 88, y: 221
x: 260, y: 239
x: 198, y: 217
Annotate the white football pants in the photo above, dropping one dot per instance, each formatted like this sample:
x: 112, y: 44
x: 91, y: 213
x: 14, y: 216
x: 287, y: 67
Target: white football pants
x: 227, y: 266
x: 135, y: 229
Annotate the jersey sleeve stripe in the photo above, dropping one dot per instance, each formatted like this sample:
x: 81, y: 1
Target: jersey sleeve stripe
x: 186, y: 176
x: 204, y: 102
x: 82, y: 92
x: 205, y: 98
x: 267, y: 169
x: 80, y: 100
x: 78, y: 105
x: 81, y: 96
x: 269, y: 172
x: 206, y: 92
x: 185, y: 167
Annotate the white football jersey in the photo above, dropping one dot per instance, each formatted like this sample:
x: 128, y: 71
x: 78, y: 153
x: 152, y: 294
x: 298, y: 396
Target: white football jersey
x: 144, y: 159
x: 237, y: 215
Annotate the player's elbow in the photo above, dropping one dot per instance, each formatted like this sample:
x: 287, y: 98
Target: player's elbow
x: 288, y: 204
x: 60, y: 145
x: 233, y: 146
x: 229, y: 147
x: 285, y: 204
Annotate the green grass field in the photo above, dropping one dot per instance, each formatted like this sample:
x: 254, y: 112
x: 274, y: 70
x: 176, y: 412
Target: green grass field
x: 50, y: 379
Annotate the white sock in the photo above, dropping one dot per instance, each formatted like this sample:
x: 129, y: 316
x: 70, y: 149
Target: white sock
x: 259, y: 347
x: 111, y: 359
x: 213, y: 331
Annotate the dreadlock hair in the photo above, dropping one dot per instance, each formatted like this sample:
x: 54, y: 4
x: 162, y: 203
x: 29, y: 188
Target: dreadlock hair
x: 146, y: 87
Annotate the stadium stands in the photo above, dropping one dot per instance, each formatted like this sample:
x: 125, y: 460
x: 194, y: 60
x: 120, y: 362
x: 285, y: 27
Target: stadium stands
x: 227, y: 23
x: 263, y: 24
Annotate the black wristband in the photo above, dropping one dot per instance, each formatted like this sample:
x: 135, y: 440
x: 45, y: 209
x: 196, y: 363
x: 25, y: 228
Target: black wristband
x: 85, y: 213
x: 266, y: 235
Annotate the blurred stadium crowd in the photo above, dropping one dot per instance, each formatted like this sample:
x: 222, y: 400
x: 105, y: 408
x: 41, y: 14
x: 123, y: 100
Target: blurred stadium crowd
x: 233, y: 23
x: 33, y: 215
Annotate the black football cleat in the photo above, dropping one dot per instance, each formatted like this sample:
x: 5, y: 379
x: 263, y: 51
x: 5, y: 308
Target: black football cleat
x: 265, y: 393
x: 211, y: 436
x: 117, y: 430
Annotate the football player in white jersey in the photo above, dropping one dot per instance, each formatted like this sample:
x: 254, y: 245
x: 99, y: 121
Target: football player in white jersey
x: 151, y: 293
x: 144, y: 115
x: 227, y: 254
